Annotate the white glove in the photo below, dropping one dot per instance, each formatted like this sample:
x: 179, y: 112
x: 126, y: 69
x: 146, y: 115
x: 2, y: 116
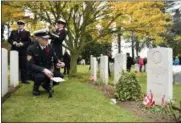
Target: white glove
x: 21, y: 44
x: 18, y: 44
x: 14, y: 43
x: 60, y: 64
x: 48, y: 73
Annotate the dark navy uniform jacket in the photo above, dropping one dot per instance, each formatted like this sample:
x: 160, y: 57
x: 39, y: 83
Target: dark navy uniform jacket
x: 57, y: 38
x: 21, y: 36
x: 39, y: 59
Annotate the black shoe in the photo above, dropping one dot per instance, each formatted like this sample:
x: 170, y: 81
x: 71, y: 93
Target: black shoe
x: 26, y: 82
x: 45, y: 87
x: 36, y: 91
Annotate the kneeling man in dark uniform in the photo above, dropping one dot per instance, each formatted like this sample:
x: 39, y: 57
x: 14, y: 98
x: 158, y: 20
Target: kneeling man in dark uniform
x: 41, y: 62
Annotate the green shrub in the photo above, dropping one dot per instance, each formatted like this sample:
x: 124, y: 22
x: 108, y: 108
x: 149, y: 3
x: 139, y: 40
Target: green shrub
x: 128, y: 88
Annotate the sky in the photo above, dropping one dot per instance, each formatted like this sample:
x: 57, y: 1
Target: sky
x: 125, y: 48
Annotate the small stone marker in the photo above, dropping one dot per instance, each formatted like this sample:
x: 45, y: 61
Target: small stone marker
x: 94, y: 68
x: 136, y: 67
x: 177, y: 74
x: 119, y: 66
x: 104, y: 69
x: 159, y: 74
x: 4, y: 71
x: 14, y: 69
x: 111, y: 66
x: 177, y: 78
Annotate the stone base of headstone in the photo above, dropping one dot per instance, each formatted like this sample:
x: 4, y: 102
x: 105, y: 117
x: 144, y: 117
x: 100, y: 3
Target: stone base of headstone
x: 9, y: 93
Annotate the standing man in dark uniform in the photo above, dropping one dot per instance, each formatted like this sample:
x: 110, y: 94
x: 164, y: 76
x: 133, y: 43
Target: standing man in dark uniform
x: 129, y: 62
x: 20, y: 40
x: 41, y: 62
x: 66, y: 59
x: 58, y: 37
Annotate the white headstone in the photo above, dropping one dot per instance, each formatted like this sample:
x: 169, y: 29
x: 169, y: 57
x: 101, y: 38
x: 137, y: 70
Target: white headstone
x: 159, y: 74
x: 119, y: 66
x: 4, y: 72
x: 104, y: 69
x: 111, y: 65
x: 14, y: 69
x: 124, y: 61
x: 136, y: 67
x: 94, y: 68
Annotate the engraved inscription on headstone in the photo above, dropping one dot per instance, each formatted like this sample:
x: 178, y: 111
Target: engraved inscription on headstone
x: 157, y: 57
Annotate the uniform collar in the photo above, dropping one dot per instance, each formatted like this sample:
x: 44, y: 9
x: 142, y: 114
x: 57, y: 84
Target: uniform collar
x: 60, y: 29
x: 20, y: 30
x: 42, y: 47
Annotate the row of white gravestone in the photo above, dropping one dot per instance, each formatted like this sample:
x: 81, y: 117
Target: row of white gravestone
x: 14, y: 70
x: 159, y: 72
x: 119, y: 66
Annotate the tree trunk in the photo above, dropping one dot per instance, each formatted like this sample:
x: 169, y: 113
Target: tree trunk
x: 2, y: 30
x: 137, y: 47
x: 73, y: 64
x: 132, y: 43
x: 137, y: 52
x: 119, y: 43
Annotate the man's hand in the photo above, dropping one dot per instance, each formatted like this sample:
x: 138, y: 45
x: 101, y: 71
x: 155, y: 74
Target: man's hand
x: 48, y: 73
x: 60, y: 64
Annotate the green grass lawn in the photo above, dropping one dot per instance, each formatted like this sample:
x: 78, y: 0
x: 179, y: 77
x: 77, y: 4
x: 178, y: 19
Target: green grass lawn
x: 73, y: 101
